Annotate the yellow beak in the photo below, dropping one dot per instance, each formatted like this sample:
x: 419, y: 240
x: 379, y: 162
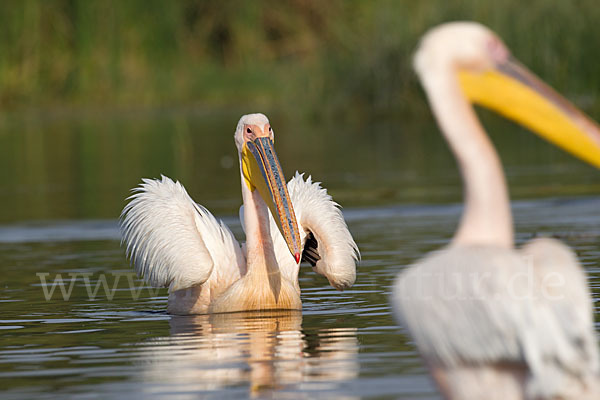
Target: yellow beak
x: 513, y: 91
x: 262, y: 171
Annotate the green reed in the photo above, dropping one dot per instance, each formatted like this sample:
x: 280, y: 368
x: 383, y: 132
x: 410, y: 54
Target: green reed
x: 308, y: 56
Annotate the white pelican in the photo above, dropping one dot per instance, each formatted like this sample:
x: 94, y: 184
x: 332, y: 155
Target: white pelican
x: 491, y: 321
x: 174, y: 242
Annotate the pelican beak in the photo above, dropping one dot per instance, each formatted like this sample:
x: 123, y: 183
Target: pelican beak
x: 262, y: 172
x: 513, y: 91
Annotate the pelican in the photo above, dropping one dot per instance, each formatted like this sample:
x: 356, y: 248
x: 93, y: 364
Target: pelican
x: 491, y: 321
x: 174, y: 242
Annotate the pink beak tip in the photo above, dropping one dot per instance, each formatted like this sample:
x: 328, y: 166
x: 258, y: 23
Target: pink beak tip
x: 297, y: 257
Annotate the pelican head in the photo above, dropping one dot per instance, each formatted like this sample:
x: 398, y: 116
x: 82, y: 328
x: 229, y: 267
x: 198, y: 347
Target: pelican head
x: 489, y: 76
x: 261, y: 171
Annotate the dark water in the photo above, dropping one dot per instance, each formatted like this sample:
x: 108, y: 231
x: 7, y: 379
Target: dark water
x: 62, y: 186
x: 55, y: 166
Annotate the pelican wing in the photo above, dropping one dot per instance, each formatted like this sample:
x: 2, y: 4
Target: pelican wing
x: 328, y: 244
x: 565, y: 343
x: 486, y: 305
x: 174, y: 242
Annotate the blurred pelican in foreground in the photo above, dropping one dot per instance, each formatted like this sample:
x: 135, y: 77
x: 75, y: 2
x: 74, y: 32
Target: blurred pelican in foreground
x: 174, y: 242
x: 490, y: 321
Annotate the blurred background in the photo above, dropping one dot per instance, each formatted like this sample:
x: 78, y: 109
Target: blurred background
x: 95, y: 95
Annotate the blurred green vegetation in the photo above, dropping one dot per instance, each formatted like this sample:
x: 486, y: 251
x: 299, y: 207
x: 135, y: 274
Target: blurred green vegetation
x: 306, y: 56
x: 96, y: 94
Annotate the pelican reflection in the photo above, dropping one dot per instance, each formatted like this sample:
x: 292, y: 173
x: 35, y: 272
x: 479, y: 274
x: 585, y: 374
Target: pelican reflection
x: 264, y: 351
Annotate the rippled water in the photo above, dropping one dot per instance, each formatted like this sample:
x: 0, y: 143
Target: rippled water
x: 118, y: 342
x: 103, y: 334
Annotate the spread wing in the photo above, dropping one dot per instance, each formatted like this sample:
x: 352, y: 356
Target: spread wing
x: 486, y: 306
x: 174, y: 242
x: 328, y: 244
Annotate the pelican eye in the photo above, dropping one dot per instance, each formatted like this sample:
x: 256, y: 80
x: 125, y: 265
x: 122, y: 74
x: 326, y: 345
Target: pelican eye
x: 248, y: 130
x: 270, y: 129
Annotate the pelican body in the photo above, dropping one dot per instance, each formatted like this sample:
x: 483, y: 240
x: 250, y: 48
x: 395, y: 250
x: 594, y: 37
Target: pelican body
x: 489, y: 320
x: 174, y: 242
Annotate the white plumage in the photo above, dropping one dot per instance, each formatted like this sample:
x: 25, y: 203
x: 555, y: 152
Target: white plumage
x: 318, y: 214
x: 485, y: 305
x: 492, y: 322
x: 174, y: 242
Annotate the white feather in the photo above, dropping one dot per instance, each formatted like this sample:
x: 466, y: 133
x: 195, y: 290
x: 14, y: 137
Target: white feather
x: 316, y: 212
x: 569, y: 348
x: 488, y: 305
x: 174, y: 242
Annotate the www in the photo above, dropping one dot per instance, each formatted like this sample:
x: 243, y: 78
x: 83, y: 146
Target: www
x: 66, y: 285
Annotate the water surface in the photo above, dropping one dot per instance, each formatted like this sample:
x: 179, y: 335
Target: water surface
x: 122, y: 343
x: 63, y: 184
